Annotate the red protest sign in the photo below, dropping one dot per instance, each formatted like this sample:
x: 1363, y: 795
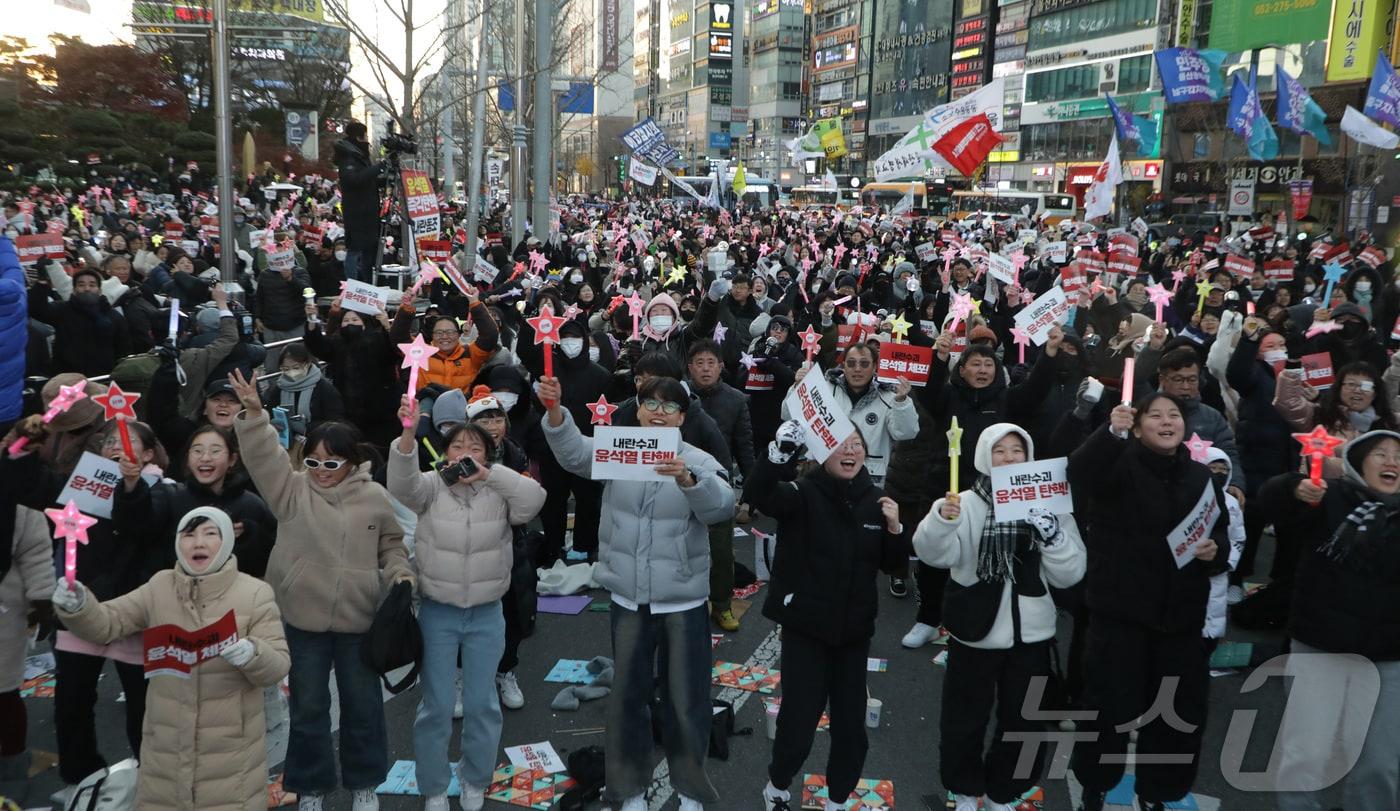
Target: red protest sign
x: 33, y: 247
x: 311, y: 236
x: 56, y: 227
x: 175, y: 230
x: 1317, y: 370
x: 1123, y: 262
x: 438, y: 250
x: 1123, y: 242
x: 905, y: 360
x: 1241, y: 266
x: 1210, y: 242
x: 1372, y: 256
x: 210, y: 226
x: 847, y: 335
x: 1279, y: 270
x: 1072, y: 277
x: 1092, y: 261
x: 173, y: 651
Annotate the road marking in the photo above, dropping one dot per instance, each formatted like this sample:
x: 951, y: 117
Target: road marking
x: 765, y: 655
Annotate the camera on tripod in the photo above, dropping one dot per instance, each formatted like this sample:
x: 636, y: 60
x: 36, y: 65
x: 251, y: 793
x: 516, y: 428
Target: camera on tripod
x: 397, y: 143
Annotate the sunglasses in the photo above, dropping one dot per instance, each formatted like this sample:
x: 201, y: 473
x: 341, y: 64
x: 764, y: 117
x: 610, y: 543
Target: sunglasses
x: 328, y: 464
x: 662, y: 406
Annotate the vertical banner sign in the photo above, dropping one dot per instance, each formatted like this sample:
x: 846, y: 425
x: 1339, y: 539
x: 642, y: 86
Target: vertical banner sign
x: 422, y: 204
x: 813, y: 404
x: 1301, y: 191
x: 609, y: 34
x: 495, y: 168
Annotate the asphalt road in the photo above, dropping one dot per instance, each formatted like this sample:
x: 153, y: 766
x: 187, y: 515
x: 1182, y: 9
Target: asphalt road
x: 904, y: 749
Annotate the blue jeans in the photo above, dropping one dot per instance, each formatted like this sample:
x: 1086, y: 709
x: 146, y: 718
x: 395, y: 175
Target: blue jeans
x: 676, y: 649
x: 364, y: 745
x: 479, y: 635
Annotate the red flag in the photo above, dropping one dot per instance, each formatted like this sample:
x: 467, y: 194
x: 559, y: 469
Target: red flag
x: 968, y: 144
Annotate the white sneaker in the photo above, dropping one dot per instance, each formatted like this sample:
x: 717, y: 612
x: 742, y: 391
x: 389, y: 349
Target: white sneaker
x: 364, y: 799
x: 919, y: 636
x: 962, y: 802
x: 832, y: 805
x: 437, y: 802
x: 690, y: 804
x: 309, y: 802
x: 1234, y: 595
x: 472, y: 798
x: 774, y: 800
x: 989, y: 805
x: 637, y: 803
x: 509, y: 688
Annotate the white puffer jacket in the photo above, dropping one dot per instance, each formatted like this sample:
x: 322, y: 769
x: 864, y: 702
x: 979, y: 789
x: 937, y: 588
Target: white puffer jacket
x: 1217, y: 607
x: 882, y: 419
x: 462, y: 544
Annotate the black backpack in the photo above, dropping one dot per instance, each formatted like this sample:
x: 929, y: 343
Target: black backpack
x: 394, y: 639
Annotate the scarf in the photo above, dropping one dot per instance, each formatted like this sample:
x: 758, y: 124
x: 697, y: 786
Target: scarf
x: 296, y: 397
x: 1361, y: 421
x: 1367, y: 528
x: 1000, y: 541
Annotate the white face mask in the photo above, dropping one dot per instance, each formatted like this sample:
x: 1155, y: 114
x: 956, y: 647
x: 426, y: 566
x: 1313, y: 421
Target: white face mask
x: 572, y: 347
x: 340, y: 255
x: 507, y: 399
x: 661, y: 323
x: 1362, y: 287
x: 577, y: 278
x: 1275, y: 356
x: 594, y: 353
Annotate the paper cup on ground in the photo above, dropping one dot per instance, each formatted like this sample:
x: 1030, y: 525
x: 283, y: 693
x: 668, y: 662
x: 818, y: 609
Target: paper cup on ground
x: 771, y: 720
x: 872, y: 712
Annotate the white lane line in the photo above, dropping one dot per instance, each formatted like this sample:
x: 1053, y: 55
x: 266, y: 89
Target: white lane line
x: 765, y: 655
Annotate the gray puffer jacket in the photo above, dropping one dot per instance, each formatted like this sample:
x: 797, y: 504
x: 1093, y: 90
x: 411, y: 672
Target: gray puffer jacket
x: 654, y: 541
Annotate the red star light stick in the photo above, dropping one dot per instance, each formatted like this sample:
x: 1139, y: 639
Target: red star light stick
x: 546, y: 326
x: 1318, y: 445
x: 70, y: 525
x: 415, y: 357
x: 810, y: 340
x: 67, y: 396
x: 600, y: 411
x: 120, y: 406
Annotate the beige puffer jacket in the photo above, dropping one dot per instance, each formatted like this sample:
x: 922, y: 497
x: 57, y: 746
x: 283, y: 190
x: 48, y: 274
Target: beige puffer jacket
x: 337, y: 548
x: 30, y: 578
x: 462, y: 546
x: 202, y: 744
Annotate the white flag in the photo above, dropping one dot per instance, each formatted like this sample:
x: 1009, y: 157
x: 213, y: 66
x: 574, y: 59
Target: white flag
x: 905, y: 204
x: 712, y: 200
x: 829, y: 181
x: 913, y: 155
x: 1098, y: 198
x: 640, y: 172
x: 1365, y: 131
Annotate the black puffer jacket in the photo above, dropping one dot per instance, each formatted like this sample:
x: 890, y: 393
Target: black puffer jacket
x: 279, y: 300
x: 155, y: 512
x: 1340, y: 606
x: 832, y: 545
x: 1137, y: 497
x: 359, y: 178
x: 729, y: 408
x: 362, y: 369
x: 89, y: 335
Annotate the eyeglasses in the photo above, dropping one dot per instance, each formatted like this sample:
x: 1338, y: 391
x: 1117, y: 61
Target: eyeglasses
x: 664, y: 406
x: 208, y: 453
x: 328, y: 464
x: 489, y: 420
x: 858, y: 364
x: 446, y: 333
x: 1382, y: 456
x: 1183, y: 380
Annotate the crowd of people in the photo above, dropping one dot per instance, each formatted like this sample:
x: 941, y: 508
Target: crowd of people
x: 284, y: 469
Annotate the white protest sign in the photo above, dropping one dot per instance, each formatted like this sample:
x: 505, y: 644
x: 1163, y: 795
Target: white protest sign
x: 535, y: 756
x: 364, y: 298
x: 1001, y: 268
x: 630, y: 454
x: 813, y: 403
x: 1043, y: 483
x: 640, y: 172
x: 1036, y: 319
x: 93, y: 485
x: 1057, y: 251
x: 485, y: 272
x: 926, y: 251
x: 190, y: 246
x: 281, y: 259
x: 1195, y: 527
x: 1027, y: 235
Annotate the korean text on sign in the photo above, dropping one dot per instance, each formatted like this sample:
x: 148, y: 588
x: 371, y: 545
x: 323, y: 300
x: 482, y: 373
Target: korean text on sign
x: 812, y: 403
x: 1042, y: 484
x: 629, y: 453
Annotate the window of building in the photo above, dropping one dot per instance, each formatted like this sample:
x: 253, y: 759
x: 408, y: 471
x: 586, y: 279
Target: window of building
x: 1091, y: 21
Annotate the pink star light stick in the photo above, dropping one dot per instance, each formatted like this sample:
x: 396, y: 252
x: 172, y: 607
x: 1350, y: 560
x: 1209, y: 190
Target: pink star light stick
x: 67, y: 396
x: 415, y: 357
x: 1198, y: 447
x: 1020, y: 338
x: 1159, y: 296
x: 71, y: 525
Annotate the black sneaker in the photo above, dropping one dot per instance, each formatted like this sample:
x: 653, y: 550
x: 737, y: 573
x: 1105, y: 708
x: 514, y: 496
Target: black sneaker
x: 899, y: 587
x: 1092, y: 800
x: 1147, y: 806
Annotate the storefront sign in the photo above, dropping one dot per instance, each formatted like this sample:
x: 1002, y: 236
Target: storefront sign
x: 1047, y: 112
x: 1358, y: 31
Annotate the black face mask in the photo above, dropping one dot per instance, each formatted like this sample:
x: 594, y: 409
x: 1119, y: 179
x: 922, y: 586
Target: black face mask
x: 352, y: 331
x: 687, y: 314
x: 1353, y: 329
x: 1222, y: 479
x: 87, y: 301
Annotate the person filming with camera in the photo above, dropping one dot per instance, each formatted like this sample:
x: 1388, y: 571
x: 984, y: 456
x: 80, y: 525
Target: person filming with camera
x: 359, y: 189
x: 463, y: 557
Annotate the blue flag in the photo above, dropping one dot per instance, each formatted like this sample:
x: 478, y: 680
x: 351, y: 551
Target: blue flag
x: 1190, y: 75
x: 1132, y: 127
x: 1246, y: 118
x: 1383, y: 98
x: 1297, y: 112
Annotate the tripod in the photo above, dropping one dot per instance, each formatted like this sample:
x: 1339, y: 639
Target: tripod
x: 394, y: 220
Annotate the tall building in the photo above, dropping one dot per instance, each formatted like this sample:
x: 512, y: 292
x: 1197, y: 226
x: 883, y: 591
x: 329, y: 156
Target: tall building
x: 776, y: 56
x: 701, y: 79
x: 913, y: 45
x: 594, y: 100
x: 844, y: 40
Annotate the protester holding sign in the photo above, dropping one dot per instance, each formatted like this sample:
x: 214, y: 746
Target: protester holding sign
x: 839, y: 531
x: 654, y: 557
x: 1341, y: 621
x: 1002, y: 620
x: 883, y: 411
x: 339, y: 547
x: 360, y: 360
x: 1147, y: 608
x: 207, y: 745
x: 463, y: 558
x: 89, y: 335
x: 279, y: 304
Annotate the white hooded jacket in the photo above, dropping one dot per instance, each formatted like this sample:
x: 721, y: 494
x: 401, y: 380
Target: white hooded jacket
x: 1217, y: 606
x: 954, y: 545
